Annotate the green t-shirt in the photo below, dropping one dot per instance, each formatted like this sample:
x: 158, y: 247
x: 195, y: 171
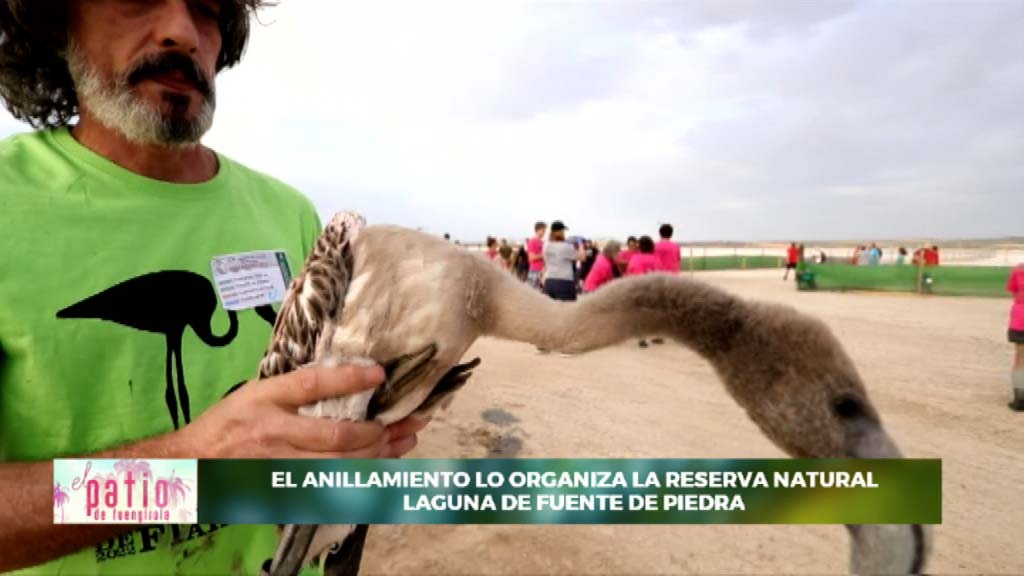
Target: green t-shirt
x: 135, y: 255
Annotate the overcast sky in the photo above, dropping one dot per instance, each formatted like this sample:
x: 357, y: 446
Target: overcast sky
x: 733, y: 120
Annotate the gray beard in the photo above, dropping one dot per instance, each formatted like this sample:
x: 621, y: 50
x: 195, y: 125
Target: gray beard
x: 115, y: 106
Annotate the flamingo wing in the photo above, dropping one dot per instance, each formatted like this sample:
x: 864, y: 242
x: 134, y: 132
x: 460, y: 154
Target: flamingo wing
x: 305, y: 326
x: 308, y: 316
x: 315, y: 298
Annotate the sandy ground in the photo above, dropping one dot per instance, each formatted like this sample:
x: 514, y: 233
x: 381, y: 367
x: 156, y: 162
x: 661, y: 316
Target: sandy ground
x: 936, y: 368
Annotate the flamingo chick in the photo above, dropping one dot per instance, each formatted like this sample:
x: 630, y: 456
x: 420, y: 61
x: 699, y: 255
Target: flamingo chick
x: 415, y: 304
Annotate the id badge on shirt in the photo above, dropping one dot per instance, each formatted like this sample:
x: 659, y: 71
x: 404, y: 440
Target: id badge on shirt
x: 251, y: 279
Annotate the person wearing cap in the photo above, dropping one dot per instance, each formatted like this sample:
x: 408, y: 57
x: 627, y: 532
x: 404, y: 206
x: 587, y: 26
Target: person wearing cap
x: 559, y: 260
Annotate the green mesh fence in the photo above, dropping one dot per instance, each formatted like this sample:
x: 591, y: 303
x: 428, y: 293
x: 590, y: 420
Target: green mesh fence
x: 731, y: 262
x: 986, y: 281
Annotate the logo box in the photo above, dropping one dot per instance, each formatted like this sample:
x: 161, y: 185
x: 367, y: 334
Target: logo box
x: 124, y: 491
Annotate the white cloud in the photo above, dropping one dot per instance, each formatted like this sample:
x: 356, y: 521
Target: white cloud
x: 731, y: 119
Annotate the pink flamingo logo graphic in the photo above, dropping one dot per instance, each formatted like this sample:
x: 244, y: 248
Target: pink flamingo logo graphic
x: 138, y: 468
x: 60, y: 498
x: 176, y: 489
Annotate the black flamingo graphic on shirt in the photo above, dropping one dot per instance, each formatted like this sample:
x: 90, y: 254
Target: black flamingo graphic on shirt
x: 165, y: 303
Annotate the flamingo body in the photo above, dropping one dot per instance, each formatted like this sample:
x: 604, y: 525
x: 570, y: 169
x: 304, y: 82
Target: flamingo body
x: 415, y: 304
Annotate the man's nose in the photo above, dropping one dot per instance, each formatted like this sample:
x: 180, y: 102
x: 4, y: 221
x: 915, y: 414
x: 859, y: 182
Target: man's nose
x: 176, y: 27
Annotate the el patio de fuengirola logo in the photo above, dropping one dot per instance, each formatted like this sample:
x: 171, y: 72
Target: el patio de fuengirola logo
x: 125, y: 491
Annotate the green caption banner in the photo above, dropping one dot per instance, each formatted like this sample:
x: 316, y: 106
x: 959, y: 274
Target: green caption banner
x: 576, y: 491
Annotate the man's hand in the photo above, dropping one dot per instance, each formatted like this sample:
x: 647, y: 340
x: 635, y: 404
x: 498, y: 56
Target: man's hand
x: 261, y: 420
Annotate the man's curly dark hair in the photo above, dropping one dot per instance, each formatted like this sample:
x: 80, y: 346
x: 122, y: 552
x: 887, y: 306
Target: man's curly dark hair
x: 35, y: 84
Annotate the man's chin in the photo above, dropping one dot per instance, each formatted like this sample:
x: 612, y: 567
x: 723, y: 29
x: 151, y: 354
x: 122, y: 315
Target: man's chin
x: 149, y: 117
x: 169, y: 131
x: 182, y: 132
x: 180, y: 126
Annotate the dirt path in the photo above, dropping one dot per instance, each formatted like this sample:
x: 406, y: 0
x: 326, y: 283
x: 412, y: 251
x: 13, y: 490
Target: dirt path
x: 937, y: 369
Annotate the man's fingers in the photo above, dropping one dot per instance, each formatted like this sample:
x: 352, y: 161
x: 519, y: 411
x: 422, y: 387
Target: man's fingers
x: 407, y: 427
x: 381, y: 449
x: 378, y: 450
x: 401, y: 446
x: 314, y: 383
x: 325, y: 435
x: 309, y: 455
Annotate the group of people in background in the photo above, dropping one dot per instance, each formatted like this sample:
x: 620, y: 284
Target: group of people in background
x: 867, y: 256
x: 563, y: 268
x: 872, y: 256
x: 527, y: 260
x: 864, y: 255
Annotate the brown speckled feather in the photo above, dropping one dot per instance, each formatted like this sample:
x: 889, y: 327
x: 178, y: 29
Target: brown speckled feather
x: 314, y: 300
x: 307, y: 318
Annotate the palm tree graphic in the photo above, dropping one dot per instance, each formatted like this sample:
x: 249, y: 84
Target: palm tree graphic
x: 139, y: 471
x: 138, y: 468
x: 60, y: 498
x: 176, y: 489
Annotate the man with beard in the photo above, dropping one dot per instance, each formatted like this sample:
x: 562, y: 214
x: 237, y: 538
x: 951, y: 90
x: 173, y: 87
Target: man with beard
x: 116, y: 328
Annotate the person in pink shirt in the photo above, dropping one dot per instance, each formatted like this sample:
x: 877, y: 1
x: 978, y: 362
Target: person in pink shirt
x: 604, y: 269
x: 666, y: 250
x: 492, y: 248
x: 1015, y: 334
x: 644, y: 262
x: 535, y: 255
x: 624, y: 256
